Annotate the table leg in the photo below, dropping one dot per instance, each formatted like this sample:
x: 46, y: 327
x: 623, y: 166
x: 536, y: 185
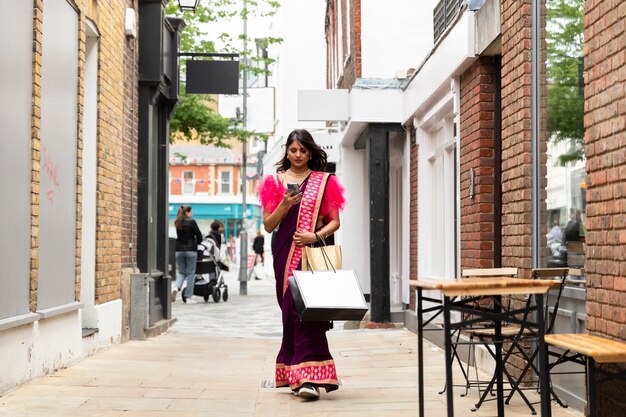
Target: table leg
x: 544, y: 392
x: 420, y: 351
x: 448, y: 349
x: 591, y: 386
x: 497, y: 304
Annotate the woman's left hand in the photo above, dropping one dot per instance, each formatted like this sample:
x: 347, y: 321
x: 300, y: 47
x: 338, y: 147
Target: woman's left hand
x: 304, y: 238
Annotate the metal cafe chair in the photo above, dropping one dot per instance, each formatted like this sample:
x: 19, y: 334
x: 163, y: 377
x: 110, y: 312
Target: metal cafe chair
x: 517, y: 334
x: 565, y: 275
x: 477, y: 302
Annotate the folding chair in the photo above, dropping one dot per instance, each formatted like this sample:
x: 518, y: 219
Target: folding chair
x: 475, y: 273
x: 517, y: 334
x: 551, y: 311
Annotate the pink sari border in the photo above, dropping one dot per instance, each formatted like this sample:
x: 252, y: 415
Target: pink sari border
x: 318, y: 373
x: 307, y: 218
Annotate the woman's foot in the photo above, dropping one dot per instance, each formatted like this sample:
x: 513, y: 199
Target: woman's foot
x: 309, y: 391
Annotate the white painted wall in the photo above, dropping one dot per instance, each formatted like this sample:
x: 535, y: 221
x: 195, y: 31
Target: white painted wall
x: 395, y: 35
x: 37, y: 349
x: 452, y: 56
x: 353, y: 174
x: 376, y: 106
x: 109, y: 326
x: 301, y: 65
x: 260, y: 107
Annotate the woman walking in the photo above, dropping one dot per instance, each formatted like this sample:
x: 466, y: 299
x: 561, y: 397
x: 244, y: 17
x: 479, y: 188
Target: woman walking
x: 301, y: 215
x: 188, y: 237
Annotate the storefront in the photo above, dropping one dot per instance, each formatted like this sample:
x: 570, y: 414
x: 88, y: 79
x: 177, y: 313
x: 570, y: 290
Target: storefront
x: 228, y: 214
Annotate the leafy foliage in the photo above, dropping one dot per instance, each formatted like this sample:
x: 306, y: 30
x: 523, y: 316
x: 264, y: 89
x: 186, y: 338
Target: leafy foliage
x: 194, y: 118
x: 564, y: 62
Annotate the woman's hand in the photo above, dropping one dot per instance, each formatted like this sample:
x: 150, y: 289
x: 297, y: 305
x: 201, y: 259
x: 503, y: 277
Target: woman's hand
x: 290, y: 199
x: 273, y: 219
x: 304, y: 238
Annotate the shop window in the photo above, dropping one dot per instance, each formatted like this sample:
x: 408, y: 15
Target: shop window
x: 188, y: 183
x: 562, y: 212
x: 560, y: 157
x: 225, y: 182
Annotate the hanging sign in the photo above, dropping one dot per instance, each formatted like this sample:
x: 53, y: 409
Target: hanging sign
x: 212, y: 77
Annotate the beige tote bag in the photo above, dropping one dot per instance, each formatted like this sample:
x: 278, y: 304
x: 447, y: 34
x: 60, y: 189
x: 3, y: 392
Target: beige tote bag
x: 313, y: 259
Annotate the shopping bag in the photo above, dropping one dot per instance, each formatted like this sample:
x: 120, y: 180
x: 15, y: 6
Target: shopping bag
x: 327, y: 295
x: 321, y: 258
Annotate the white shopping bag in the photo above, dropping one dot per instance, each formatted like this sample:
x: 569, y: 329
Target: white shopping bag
x: 328, y: 295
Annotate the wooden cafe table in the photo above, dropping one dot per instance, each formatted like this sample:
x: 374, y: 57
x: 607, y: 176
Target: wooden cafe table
x: 460, y: 295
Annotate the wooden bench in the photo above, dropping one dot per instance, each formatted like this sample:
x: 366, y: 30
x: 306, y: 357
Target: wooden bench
x: 594, y: 349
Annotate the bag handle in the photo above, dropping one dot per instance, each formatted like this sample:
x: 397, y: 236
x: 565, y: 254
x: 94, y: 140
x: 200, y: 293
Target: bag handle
x: 327, y: 260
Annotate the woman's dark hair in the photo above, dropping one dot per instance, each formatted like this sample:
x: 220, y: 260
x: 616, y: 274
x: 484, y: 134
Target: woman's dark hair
x: 215, y: 226
x: 182, y: 210
x: 317, y: 159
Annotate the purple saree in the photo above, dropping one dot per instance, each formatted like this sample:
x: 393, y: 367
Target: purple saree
x: 304, y: 355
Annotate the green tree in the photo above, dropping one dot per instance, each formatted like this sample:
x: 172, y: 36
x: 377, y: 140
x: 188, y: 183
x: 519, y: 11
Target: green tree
x: 194, y: 117
x: 564, y: 73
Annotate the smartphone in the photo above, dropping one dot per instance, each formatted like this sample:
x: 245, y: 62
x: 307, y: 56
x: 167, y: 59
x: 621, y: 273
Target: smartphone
x: 293, y: 188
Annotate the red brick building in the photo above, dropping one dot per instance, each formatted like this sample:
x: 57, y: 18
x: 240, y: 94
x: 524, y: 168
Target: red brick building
x: 516, y: 147
x: 209, y: 179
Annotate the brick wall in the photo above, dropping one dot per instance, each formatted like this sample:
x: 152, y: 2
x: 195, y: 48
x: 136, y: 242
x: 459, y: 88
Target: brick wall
x: 129, y: 154
x: 479, y: 126
x: 352, y: 69
x: 413, y: 259
x: 111, y: 133
x: 605, y: 124
x: 36, y: 152
x: 202, y: 176
x: 330, y: 33
x: 82, y: 39
x: 516, y: 134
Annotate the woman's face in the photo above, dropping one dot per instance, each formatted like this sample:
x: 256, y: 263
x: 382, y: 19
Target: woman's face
x: 298, y: 155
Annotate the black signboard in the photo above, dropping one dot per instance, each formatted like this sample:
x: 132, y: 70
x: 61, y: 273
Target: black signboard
x: 212, y: 77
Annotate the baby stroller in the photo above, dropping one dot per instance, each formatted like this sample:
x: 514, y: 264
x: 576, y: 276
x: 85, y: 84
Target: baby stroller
x: 209, y: 276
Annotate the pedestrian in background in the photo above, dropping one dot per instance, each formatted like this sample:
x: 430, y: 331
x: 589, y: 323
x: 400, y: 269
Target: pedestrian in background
x: 304, y: 362
x: 238, y: 249
x: 215, y: 233
x: 259, y: 246
x: 188, y: 237
x: 231, y: 248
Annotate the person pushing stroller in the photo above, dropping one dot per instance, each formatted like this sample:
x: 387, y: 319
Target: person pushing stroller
x: 211, y: 250
x: 209, y: 277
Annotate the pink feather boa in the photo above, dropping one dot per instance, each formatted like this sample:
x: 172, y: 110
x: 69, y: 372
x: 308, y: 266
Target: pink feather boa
x: 271, y: 192
x: 333, y: 201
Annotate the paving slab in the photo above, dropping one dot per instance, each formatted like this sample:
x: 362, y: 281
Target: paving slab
x: 218, y: 360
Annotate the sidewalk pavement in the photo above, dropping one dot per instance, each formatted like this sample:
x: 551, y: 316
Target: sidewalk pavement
x: 223, y: 367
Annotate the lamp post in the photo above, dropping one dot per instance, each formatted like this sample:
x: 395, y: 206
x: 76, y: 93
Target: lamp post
x: 243, y: 245
x: 188, y: 5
